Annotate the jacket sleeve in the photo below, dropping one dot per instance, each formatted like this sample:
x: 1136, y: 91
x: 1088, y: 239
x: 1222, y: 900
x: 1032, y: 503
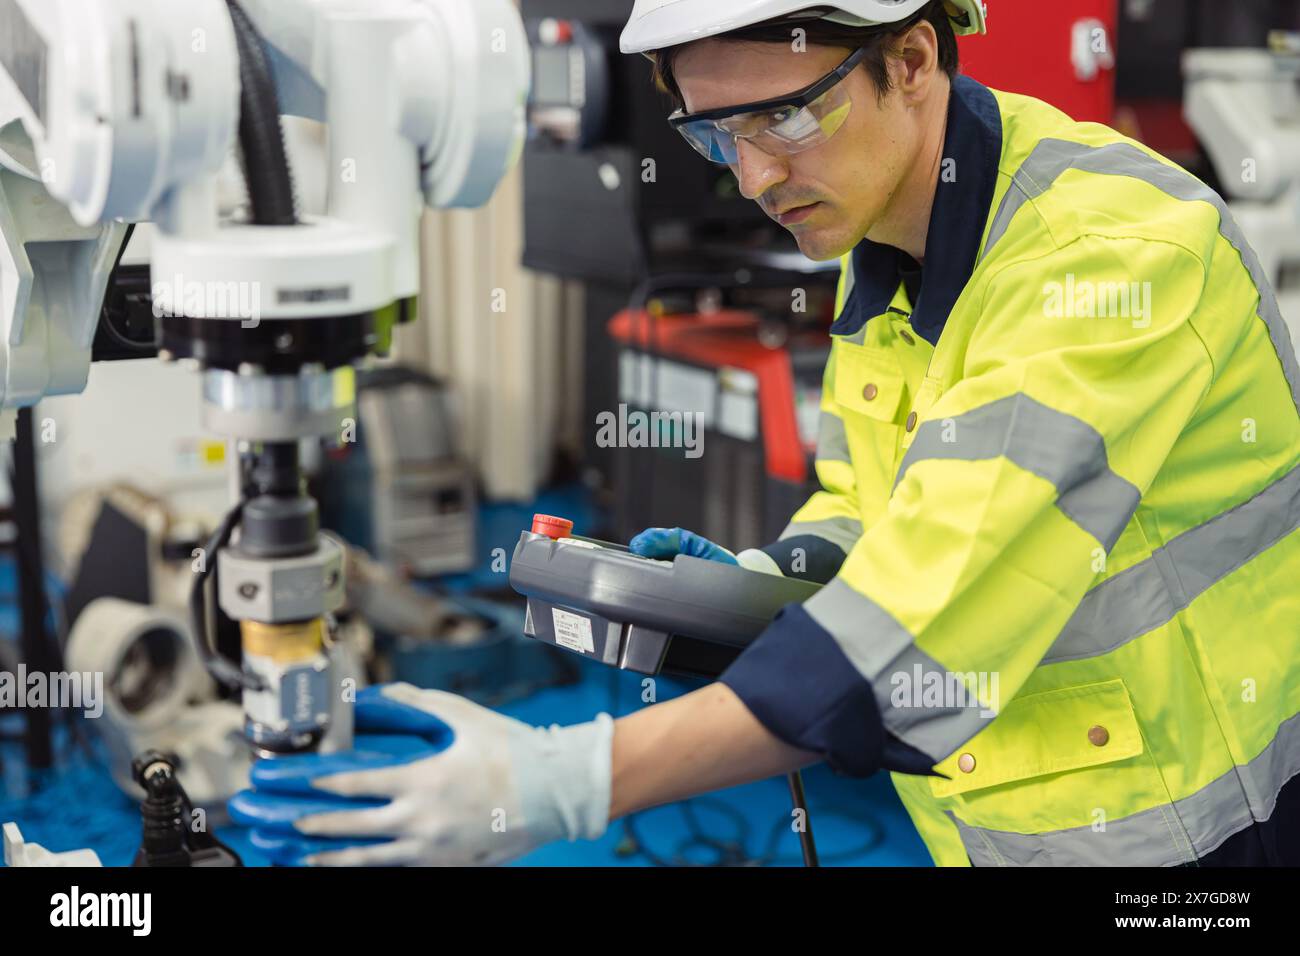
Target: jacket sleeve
x: 1018, y: 482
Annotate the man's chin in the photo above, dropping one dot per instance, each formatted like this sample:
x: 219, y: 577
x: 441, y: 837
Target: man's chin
x: 818, y: 246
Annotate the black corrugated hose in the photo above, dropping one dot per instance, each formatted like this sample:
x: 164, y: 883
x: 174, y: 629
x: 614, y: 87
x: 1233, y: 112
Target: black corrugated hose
x: 261, y: 140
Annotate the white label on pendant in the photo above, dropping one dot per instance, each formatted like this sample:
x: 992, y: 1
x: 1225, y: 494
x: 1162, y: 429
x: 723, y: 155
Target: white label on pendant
x: 573, y: 631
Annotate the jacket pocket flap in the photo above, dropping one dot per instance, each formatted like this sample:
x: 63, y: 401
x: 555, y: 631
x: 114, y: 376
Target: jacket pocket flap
x: 868, y: 382
x: 1050, y: 732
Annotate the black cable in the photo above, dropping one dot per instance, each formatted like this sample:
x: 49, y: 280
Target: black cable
x: 57, y: 606
x: 771, y: 855
x: 728, y: 852
x: 145, y: 348
x: 261, y: 140
x: 800, y: 805
x: 735, y: 852
x: 731, y: 852
x: 222, y: 670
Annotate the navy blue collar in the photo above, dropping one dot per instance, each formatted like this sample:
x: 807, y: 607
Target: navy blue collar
x: 968, y: 174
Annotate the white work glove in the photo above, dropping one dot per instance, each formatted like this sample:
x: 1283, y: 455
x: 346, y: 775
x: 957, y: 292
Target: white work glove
x: 434, y: 779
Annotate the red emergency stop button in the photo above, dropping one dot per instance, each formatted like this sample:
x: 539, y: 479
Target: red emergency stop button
x: 552, y: 526
x: 553, y: 32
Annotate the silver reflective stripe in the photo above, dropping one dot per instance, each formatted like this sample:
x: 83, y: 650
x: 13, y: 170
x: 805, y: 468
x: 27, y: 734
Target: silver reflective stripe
x: 841, y: 532
x: 934, y: 729
x: 1150, y: 838
x: 1147, y: 595
x: 1064, y: 450
x: 1163, y: 836
x: 832, y: 440
x: 858, y: 337
x: 1052, y: 157
x: 866, y: 632
x: 879, y: 647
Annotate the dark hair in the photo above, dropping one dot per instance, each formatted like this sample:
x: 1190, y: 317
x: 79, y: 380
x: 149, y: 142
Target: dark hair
x: 820, y: 32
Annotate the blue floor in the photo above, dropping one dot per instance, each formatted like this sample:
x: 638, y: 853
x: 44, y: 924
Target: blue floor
x: 855, y: 822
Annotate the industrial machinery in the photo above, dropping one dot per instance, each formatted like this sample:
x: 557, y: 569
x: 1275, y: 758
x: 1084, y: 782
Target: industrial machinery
x: 402, y: 491
x: 754, y: 385
x: 166, y: 813
x: 122, y: 111
x: 601, y: 154
x: 1244, y: 105
x: 158, y: 697
x: 18, y: 852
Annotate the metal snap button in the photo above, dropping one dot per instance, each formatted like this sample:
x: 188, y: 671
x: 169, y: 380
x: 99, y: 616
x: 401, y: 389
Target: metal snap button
x: 1099, y: 736
x: 966, y: 763
x: 870, y: 392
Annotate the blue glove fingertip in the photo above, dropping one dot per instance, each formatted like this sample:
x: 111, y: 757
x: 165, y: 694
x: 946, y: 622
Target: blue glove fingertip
x: 378, y: 713
x: 665, y: 543
x: 656, y: 543
x: 284, y: 850
x: 296, y: 774
x: 277, y: 813
x: 698, y: 546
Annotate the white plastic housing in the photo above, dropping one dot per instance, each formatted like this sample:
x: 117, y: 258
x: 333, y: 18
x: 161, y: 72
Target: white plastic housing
x: 141, y: 97
x: 249, y: 273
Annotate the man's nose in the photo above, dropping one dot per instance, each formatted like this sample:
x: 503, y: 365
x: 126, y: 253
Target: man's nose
x: 757, y: 171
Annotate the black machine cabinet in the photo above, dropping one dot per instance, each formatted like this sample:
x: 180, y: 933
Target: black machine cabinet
x: 630, y: 197
x: 614, y: 197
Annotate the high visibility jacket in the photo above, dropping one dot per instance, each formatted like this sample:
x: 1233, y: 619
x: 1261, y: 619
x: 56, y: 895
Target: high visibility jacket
x: 1063, y: 486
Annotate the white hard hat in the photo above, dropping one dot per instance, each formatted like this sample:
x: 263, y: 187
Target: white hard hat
x: 656, y: 24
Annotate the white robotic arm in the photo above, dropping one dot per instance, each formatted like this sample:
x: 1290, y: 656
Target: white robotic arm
x: 103, y: 111
x: 125, y: 110
x: 1244, y: 105
x: 53, y: 274
x: 117, y: 111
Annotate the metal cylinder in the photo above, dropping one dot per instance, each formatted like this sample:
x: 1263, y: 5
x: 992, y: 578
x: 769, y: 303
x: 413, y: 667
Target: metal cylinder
x: 292, y: 712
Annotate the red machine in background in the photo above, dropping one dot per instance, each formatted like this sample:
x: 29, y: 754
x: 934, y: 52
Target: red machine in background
x: 755, y: 388
x: 1117, y: 62
x: 1061, y: 52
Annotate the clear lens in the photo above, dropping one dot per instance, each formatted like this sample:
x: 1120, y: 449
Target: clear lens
x: 780, y: 132
x: 810, y: 126
x: 714, y: 144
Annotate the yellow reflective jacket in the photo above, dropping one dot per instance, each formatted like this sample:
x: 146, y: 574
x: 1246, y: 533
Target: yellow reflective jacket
x: 1066, y: 482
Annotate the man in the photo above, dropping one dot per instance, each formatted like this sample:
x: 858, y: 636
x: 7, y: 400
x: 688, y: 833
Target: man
x: 1060, y: 469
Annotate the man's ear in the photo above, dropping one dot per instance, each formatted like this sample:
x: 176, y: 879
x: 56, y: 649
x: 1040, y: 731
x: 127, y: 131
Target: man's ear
x: 914, y: 60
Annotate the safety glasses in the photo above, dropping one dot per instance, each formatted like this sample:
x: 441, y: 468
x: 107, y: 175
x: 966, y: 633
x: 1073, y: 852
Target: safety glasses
x: 779, y: 127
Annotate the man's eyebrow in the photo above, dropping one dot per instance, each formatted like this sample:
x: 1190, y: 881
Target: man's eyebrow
x: 746, y: 106
x: 775, y: 98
